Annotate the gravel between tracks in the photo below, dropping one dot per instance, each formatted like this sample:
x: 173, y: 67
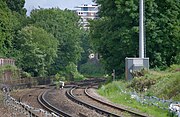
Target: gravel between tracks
x: 58, y: 99
x: 31, y: 98
x: 28, y: 96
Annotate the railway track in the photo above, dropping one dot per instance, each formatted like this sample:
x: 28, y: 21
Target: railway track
x: 42, y: 100
x: 71, y: 96
x: 56, y: 101
x: 83, y: 98
x: 113, y: 106
x: 99, y: 106
x: 26, y: 102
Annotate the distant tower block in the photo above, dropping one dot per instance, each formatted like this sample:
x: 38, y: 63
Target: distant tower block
x: 87, y: 12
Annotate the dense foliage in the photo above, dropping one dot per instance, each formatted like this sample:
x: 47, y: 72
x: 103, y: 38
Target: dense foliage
x: 115, y: 34
x: 63, y: 25
x: 92, y: 68
x: 45, y: 43
x: 8, y: 23
x: 37, y: 50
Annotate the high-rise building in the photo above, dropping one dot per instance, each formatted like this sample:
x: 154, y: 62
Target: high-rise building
x: 87, y: 12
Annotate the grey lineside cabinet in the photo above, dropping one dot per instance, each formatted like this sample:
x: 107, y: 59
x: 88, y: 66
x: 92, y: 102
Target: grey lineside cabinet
x: 132, y: 64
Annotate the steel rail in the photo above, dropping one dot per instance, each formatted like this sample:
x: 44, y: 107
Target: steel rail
x: 113, y: 106
x: 71, y: 96
x: 50, y: 107
x: 20, y: 100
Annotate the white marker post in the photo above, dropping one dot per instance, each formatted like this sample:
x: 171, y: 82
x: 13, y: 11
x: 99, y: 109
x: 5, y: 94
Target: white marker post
x: 141, y: 28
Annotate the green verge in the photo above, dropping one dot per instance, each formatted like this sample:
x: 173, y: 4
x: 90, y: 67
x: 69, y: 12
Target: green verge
x: 162, y: 84
x: 112, y: 91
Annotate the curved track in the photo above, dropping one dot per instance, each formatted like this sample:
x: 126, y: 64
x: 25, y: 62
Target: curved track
x: 71, y: 96
x: 50, y: 107
x: 99, y: 106
x: 49, y: 99
x: 133, y: 113
x: 28, y: 100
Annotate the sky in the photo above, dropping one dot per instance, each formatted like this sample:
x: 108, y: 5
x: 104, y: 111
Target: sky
x: 62, y: 4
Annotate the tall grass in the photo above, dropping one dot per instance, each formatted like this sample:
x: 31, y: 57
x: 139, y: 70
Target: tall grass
x: 162, y: 84
x: 113, y: 92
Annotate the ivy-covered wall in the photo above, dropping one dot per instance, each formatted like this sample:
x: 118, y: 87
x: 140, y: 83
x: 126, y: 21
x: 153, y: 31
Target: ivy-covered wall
x: 8, y: 73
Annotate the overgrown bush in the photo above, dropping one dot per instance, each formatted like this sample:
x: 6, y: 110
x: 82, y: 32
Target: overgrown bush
x: 163, y: 84
x: 72, y: 73
x: 167, y: 87
x: 25, y: 74
x: 139, y: 73
x: 10, y: 68
x: 142, y: 84
x: 174, y: 68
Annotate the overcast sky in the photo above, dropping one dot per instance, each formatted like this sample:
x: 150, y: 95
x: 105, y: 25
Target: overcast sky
x: 62, y: 4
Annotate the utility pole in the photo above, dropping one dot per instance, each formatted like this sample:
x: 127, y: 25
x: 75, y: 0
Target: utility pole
x: 141, y: 28
x: 134, y: 64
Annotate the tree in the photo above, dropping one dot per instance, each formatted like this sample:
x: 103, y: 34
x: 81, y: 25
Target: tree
x: 87, y: 49
x: 37, y: 50
x: 112, y: 35
x: 63, y: 25
x: 16, y: 6
x: 163, y: 32
x: 115, y: 34
x: 8, y: 23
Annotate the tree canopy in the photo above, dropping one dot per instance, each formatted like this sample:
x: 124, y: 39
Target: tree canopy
x: 16, y: 6
x: 37, y: 50
x: 43, y: 44
x: 8, y: 23
x: 115, y: 34
x: 50, y: 41
x: 63, y: 25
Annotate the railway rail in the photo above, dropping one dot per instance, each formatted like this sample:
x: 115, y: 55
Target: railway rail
x: 113, y: 106
x: 27, y: 99
x: 71, y: 96
x: 77, y: 98
x: 42, y: 100
x: 106, y: 112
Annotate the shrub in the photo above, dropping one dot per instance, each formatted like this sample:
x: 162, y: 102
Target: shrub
x: 139, y: 73
x: 72, y: 73
x: 10, y: 68
x: 140, y: 84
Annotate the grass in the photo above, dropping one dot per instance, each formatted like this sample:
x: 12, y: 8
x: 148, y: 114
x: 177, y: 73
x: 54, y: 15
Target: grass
x: 113, y: 92
x: 162, y: 84
x: 167, y: 87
